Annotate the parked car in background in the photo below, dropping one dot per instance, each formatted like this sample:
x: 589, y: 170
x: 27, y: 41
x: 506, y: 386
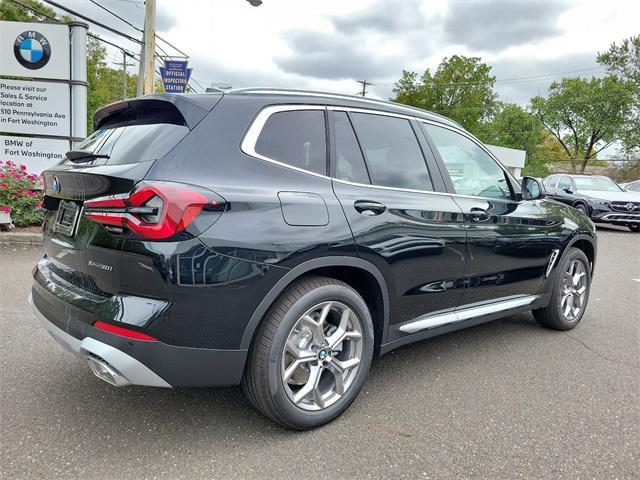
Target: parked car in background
x: 599, y: 197
x: 632, y: 186
x: 280, y: 239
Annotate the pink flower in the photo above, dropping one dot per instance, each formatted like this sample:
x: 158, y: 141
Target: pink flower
x: 3, y: 175
x: 10, y: 163
x: 39, y: 204
x: 5, y: 209
x: 18, y: 176
x: 31, y: 193
x: 23, y: 167
x: 3, y: 186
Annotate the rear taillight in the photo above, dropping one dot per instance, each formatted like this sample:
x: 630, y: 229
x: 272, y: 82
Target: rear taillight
x: 157, y: 210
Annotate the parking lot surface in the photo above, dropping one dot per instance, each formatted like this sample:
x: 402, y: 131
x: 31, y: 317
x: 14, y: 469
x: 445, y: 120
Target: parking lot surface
x: 506, y: 399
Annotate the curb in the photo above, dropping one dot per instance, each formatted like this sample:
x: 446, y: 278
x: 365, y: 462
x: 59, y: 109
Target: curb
x: 20, y: 238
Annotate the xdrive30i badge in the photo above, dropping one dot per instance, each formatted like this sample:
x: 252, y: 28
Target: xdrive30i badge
x: 101, y: 266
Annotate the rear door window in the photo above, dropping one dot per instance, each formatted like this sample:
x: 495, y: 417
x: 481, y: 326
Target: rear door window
x: 297, y: 138
x: 349, y: 161
x: 392, y: 152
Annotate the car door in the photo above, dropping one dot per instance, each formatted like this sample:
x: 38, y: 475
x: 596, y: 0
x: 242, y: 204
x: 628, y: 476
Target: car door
x: 506, y: 236
x: 564, y: 191
x: 414, y: 235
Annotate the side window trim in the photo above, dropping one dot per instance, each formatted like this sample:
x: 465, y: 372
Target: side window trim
x: 247, y: 145
x: 332, y: 150
x: 513, y: 185
x: 250, y: 139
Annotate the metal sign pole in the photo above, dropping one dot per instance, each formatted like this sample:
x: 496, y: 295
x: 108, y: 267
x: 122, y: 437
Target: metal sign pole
x: 78, y: 82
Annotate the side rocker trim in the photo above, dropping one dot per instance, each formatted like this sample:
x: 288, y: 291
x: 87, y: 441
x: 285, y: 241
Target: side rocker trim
x: 298, y: 271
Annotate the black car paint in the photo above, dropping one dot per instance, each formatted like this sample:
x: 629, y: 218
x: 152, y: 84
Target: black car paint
x: 424, y: 253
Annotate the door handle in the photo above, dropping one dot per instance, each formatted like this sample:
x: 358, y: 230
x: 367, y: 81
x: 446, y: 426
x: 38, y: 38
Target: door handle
x: 366, y: 207
x: 479, y: 214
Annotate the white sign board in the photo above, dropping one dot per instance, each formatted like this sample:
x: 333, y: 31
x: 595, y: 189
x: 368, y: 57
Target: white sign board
x: 34, y: 50
x: 37, y: 153
x: 41, y: 108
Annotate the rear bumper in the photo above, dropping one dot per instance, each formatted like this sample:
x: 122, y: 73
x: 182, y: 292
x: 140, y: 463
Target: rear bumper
x: 155, y: 364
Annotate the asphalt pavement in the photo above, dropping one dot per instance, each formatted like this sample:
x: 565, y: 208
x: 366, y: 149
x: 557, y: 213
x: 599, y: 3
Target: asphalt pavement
x: 507, y: 399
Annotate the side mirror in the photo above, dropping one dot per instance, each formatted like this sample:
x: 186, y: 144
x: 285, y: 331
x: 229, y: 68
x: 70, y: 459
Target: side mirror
x: 532, y: 189
x: 568, y: 190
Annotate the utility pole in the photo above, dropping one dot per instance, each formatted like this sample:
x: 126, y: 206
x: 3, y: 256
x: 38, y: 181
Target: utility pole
x: 148, y: 50
x: 364, y: 84
x: 124, y: 74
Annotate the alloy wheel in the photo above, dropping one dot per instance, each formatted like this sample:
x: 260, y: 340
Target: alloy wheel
x: 322, y: 355
x: 574, y: 290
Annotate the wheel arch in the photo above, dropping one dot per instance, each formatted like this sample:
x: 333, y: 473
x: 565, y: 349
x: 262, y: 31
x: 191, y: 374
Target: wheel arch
x: 587, y: 245
x: 357, y: 272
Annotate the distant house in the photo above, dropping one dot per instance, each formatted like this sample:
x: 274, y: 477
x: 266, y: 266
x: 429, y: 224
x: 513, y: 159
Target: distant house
x: 511, y: 158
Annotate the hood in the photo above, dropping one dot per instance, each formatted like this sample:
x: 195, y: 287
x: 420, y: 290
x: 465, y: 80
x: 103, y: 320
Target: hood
x: 612, y: 196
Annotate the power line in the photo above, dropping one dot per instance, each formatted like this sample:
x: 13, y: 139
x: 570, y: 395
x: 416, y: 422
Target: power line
x: 99, y: 24
x: 504, y: 80
x: 116, y: 15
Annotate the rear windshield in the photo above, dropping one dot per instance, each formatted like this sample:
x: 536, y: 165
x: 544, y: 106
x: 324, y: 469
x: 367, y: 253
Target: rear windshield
x: 132, y: 143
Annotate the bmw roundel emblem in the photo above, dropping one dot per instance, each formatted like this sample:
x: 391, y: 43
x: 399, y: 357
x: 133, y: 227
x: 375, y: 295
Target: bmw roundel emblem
x: 32, y: 50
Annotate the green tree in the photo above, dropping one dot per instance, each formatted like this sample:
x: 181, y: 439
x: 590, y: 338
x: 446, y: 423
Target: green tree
x: 623, y: 61
x: 515, y: 127
x: 585, y: 115
x: 461, y: 88
x: 16, y: 13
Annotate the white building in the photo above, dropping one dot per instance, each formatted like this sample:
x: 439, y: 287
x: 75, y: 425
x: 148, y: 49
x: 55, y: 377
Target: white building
x: 511, y: 158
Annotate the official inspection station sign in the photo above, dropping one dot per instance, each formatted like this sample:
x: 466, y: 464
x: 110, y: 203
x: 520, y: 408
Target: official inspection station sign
x: 41, y: 108
x: 34, y: 50
x: 175, y: 75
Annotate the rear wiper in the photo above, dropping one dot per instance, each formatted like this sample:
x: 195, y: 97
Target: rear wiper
x: 78, y: 156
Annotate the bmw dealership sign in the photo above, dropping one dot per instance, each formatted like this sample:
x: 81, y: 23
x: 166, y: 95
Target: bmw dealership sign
x: 32, y: 50
x: 42, y: 91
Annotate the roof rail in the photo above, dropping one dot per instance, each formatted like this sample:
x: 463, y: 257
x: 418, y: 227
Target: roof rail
x: 288, y: 91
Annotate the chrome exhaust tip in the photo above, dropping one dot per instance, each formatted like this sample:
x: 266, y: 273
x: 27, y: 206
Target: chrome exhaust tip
x: 106, y: 372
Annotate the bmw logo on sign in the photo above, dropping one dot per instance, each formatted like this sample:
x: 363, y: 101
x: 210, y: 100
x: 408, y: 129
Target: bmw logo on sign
x: 32, y: 50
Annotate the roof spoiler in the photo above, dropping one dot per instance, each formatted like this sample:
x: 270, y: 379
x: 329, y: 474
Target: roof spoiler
x: 169, y: 108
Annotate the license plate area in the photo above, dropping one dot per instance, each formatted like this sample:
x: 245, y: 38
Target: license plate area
x: 67, y: 218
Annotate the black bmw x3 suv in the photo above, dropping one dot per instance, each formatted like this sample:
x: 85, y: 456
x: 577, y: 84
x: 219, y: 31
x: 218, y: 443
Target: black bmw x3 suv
x: 279, y: 239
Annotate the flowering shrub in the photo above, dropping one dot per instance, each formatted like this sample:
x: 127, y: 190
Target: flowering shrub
x: 17, y: 195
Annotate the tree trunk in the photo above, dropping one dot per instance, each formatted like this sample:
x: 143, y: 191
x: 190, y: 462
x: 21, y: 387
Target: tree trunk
x: 584, y: 164
x: 573, y: 164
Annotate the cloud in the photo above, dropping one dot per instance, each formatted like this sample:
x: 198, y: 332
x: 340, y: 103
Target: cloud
x: 332, y: 56
x: 521, y: 91
x: 495, y: 25
x: 383, y: 18
x: 165, y: 20
x: 376, y: 42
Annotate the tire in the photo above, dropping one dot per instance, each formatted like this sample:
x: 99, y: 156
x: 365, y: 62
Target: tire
x: 285, y: 329
x: 555, y: 315
x: 634, y: 228
x: 582, y: 207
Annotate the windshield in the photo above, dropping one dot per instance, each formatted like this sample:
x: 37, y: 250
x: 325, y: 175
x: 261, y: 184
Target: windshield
x: 132, y: 143
x: 598, y: 184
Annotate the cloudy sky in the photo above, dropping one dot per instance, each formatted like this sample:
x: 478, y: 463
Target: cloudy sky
x: 329, y: 44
